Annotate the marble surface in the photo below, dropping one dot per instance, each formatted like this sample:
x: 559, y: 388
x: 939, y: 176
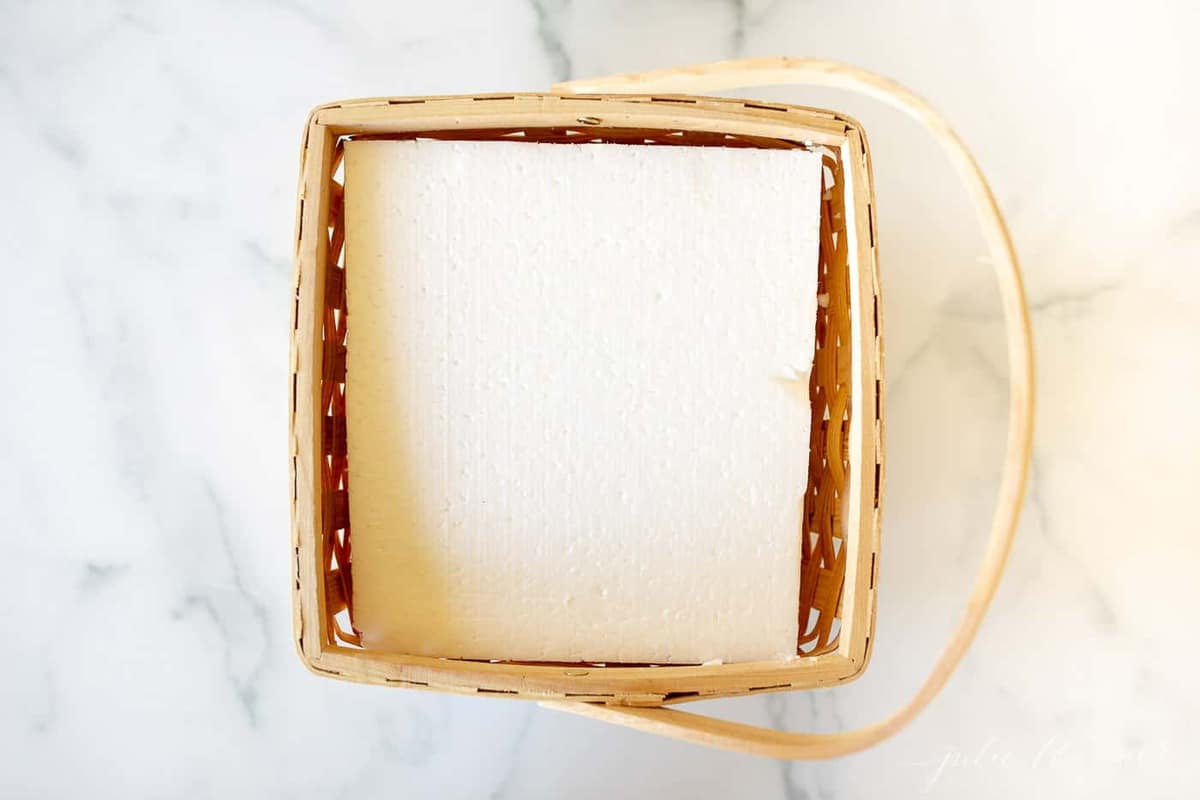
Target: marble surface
x: 151, y: 153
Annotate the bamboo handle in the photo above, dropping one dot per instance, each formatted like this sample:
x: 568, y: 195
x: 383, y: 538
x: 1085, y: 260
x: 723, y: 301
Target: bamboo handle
x: 782, y: 71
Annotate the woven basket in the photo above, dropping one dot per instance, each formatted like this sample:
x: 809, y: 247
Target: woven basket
x: 840, y: 536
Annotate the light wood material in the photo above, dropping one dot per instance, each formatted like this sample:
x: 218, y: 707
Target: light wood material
x: 781, y: 71
x: 841, y: 541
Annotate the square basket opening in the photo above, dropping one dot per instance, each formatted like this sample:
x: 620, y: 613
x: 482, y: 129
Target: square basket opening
x: 839, y: 539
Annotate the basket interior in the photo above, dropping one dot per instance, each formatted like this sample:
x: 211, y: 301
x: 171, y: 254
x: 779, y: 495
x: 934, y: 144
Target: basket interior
x: 823, y: 556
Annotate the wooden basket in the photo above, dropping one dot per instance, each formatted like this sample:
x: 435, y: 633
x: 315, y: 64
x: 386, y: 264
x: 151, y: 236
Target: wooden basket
x: 841, y: 516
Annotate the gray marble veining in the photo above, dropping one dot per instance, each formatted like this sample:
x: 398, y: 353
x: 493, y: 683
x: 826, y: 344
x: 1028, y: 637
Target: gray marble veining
x: 147, y: 222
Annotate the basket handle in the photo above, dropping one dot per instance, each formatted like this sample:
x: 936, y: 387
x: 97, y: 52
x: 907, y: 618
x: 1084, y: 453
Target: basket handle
x: 783, y: 71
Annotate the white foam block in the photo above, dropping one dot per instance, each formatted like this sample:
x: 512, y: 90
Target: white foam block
x: 577, y: 398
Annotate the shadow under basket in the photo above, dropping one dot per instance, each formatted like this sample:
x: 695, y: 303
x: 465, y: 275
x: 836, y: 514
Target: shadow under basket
x: 840, y: 523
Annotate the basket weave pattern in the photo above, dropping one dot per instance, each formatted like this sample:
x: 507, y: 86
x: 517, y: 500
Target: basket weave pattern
x: 824, y: 550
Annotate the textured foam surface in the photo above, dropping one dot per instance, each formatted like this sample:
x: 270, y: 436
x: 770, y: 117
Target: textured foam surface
x: 577, y: 398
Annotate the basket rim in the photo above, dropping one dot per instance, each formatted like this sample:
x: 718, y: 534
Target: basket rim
x: 625, y: 684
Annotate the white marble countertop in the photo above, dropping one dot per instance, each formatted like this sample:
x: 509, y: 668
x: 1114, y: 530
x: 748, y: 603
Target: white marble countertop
x: 151, y: 154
